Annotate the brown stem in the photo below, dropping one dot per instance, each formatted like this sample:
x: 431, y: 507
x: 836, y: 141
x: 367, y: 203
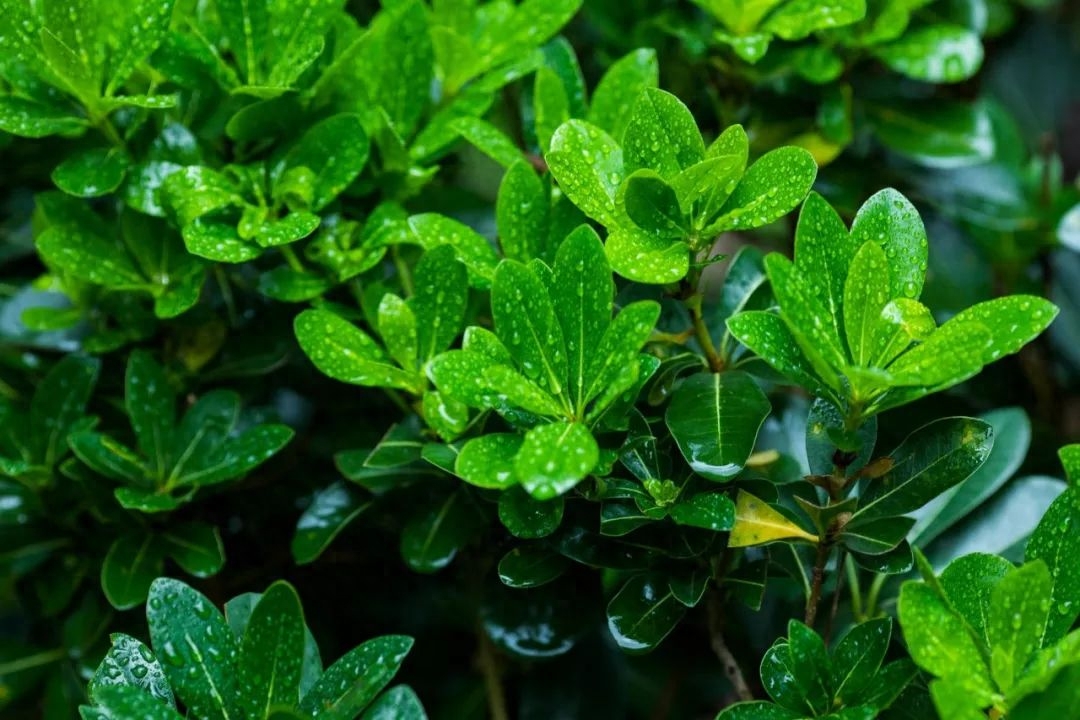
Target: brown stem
x: 731, y: 666
x: 489, y: 666
x: 817, y: 581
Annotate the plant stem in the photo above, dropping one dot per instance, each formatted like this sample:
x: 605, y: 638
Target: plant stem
x: 290, y: 257
x: 226, y: 295
x: 732, y: 671
x: 817, y: 581
x: 853, y: 586
x: 32, y: 661
x: 489, y: 666
x: 404, y: 274
x: 872, y: 595
x: 831, y: 620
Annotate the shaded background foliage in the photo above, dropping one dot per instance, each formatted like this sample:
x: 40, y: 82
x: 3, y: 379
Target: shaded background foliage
x: 991, y: 165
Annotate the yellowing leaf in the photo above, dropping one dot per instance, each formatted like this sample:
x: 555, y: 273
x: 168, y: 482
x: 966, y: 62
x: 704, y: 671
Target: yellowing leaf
x: 756, y: 523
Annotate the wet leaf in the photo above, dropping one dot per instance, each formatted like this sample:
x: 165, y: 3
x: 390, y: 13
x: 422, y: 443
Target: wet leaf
x: 620, y: 87
x: 130, y: 566
x: 934, y: 53
x: 756, y: 523
x: 271, y: 652
x: 642, y: 613
x: 554, y: 458
x: 330, y: 512
x: 91, y: 173
x: 130, y: 663
x: 588, y: 164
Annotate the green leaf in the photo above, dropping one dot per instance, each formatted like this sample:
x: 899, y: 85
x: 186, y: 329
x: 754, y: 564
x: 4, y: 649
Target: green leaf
x: 768, y: 337
x: 825, y: 250
x: 757, y: 710
x: 30, y: 119
x: 1070, y: 461
x: 397, y: 703
x: 902, y: 322
x: 439, y: 301
x: 526, y: 323
x: 771, y: 188
x: 488, y: 461
x: 352, y: 682
x: 858, y: 655
x: 122, y: 702
x: 797, y: 20
x: 89, y: 257
x: 294, y: 226
x: 197, y: 646
x: 551, y: 105
x: 330, y: 512
x: 271, y: 652
x: 940, y: 643
x: 645, y: 258
x: 108, y: 457
x: 890, y: 220
x: 528, y: 518
x: 246, y: 26
x: 130, y: 566
x: 521, y: 213
x: 1017, y: 618
x: 489, y: 140
x: 865, y: 296
x: 953, y: 353
x: 91, y: 173
x: 757, y: 523
x: 59, y: 404
x: 936, y: 133
x: 711, y: 511
x: 1012, y: 437
x: 196, y: 547
x: 554, y: 458
x: 436, y: 532
x: 218, y: 242
x: 661, y: 135
x: 806, y: 318
x: 1013, y: 322
x: 195, y: 191
x: 935, y: 53
x: 615, y: 366
x: 138, y: 39
x: 529, y: 566
x: 336, y: 150
x: 1056, y: 542
x: 588, y: 164
x: 237, y: 457
x: 653, y: 205
x: 968, y: 582
x: 151, y: 408
x: 130, y: 663
x: 877, y: 537
x: 715, y: 419
x: 618, y: 90
x: 642, y: 613
x: 344, y: 352
x: 929, y: 461
x: 398, y: 330
x: 582, y: 295
x: 430, y: 230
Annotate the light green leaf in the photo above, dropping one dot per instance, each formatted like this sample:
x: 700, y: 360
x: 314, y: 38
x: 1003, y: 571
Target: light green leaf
x: 866, y: 292
x: 336, y: 150
x: 526, y: 323
x: 645, y: 258
x: 398, y: 330
x: 939, y: 642
x: 620, y: 87
x: 520, y: 392
x: 1016, y: 621
x: 294, y: 226
x: 32, y: 119
x: 431, y: 230
x: 711, y: 511
x: 582, y: 295
x: 653, y: 205
x: 715, y: 418
x: 148, y: 26
x: 890, y: 220
x: 551, y: 105
x: 489, y: 140
x: 588, y: 164
x: 824, y: 249
x: 219, y: 242
x: 89, y: 257
x: 554, y: 458
x: 797, y: 19
x: 122, y: 702
x: 1056, y: 542
x: 619, y: 350
x: 521, y: 213
x: 661, y: 135
x: 771, y: 187
x: 439, y: 301
x: 968, y: 583
x: 246, y: 24
x: 488, y: 461
x: 806, y: 318
x: 195, y: 191
x: 1013, y: 322
x: 768, y: 337
x: 953, y: 353
x: 344, y: 352
x: 935, y: 133
x: 91, y: 173
x: 902, y: 322
x: 934, y: 53
x: 397, y: 703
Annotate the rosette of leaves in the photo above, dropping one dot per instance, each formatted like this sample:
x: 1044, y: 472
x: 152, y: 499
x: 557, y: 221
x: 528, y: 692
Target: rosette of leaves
x: 412, y: 332
x: 998, y: 637
x: 662, y: 194
x: 848, y: 681
x: 69, y: 66
x: 257, y: 661
x: 557, y: 368
x: 849, y: 326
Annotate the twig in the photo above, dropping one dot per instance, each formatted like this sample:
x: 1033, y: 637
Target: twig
x: 818, y: 579
x: 489, y: 666
x: 716, y: 637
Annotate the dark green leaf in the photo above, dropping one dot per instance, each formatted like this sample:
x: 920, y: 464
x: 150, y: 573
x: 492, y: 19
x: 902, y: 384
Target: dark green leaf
x: 131, y: 565
x: 196, y: 547
x: 271, y: 652
x: 529, y: 566
x: 330, y: 512
x: 91, y: 173
x: 642, y: 613
x: 526, y: 517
